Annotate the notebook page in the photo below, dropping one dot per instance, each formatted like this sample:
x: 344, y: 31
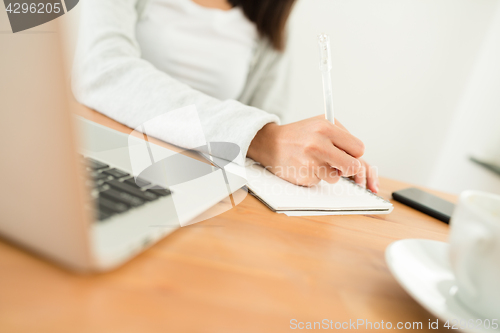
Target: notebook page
x: 282, y: 195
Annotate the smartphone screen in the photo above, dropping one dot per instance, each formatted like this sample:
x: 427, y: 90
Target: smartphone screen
x: 426, y: 203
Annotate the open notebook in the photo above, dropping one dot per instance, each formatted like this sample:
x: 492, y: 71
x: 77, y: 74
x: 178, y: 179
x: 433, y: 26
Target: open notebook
x: 343, y: 198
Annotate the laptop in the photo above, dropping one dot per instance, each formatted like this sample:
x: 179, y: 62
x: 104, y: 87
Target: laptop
x: 71, y: 190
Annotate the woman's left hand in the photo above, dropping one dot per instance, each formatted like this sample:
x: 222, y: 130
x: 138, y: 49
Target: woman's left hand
x: 367, y: 176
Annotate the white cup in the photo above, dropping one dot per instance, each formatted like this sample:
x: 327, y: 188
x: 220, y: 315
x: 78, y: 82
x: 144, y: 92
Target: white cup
x: 475, y: 252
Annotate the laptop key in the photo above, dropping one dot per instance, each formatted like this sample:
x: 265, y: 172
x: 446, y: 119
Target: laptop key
x: 95, y: 165
x: 137, y: 182
x: 101, y: 215
x: 134, y: 190
x: 109, y: 205
x: 157, y: 190
x: 124, y: 197
x: 161, y: 192
x: 98, y: 176
x: 115, y: 173
x: 101, y: 188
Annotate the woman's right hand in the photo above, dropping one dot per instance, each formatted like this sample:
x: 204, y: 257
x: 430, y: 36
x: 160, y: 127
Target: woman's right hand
x: 308, y: 151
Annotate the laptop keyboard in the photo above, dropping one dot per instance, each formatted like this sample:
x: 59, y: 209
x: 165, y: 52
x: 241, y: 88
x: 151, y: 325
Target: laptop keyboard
x: 115, y: 191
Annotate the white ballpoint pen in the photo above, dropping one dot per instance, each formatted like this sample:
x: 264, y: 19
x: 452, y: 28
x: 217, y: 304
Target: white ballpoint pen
x: 325, y: 66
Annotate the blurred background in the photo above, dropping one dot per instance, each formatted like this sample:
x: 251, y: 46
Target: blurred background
x: 417, y: 80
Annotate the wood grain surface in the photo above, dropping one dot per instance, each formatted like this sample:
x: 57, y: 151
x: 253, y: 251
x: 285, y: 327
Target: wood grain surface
x: 247, y: 270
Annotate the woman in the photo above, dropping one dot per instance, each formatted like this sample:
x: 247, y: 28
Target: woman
x: 138, y: 59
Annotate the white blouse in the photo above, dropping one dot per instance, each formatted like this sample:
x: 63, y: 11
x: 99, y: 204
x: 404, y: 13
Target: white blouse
x: 111, y: 76
x: 206, y: 48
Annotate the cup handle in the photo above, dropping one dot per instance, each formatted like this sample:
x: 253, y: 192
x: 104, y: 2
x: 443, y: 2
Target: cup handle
x: 477, y: 241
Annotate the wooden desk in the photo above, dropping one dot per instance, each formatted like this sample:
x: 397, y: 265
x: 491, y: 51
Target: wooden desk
x: 247, y: 270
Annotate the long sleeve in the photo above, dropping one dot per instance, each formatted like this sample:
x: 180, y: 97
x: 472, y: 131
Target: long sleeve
x: 110, y: 77
x: 267, y: 85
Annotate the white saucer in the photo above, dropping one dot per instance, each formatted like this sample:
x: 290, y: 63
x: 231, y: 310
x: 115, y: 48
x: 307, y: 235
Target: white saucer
x: 423, y: 269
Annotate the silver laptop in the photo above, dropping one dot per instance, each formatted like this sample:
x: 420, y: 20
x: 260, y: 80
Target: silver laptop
x: 80, y: 199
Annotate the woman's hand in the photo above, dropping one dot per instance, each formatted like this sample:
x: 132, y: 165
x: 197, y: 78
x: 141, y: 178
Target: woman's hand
x: 307, y: 151
x: 367, y: 176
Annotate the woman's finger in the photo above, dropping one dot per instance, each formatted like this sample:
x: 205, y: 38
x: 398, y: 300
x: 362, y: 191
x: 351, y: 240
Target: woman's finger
x: 340, y: 160
x: 360, y: 177
x: 328, y: 174
x: 372, y: 178
x: 337, y: 123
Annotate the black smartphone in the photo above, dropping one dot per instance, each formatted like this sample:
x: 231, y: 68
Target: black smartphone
x: 426, y: 203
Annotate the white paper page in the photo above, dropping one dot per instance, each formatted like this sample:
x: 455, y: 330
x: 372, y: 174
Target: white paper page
x: 282, y: 195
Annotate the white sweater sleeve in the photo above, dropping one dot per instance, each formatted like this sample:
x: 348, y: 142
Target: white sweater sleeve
x: 110, y: 77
